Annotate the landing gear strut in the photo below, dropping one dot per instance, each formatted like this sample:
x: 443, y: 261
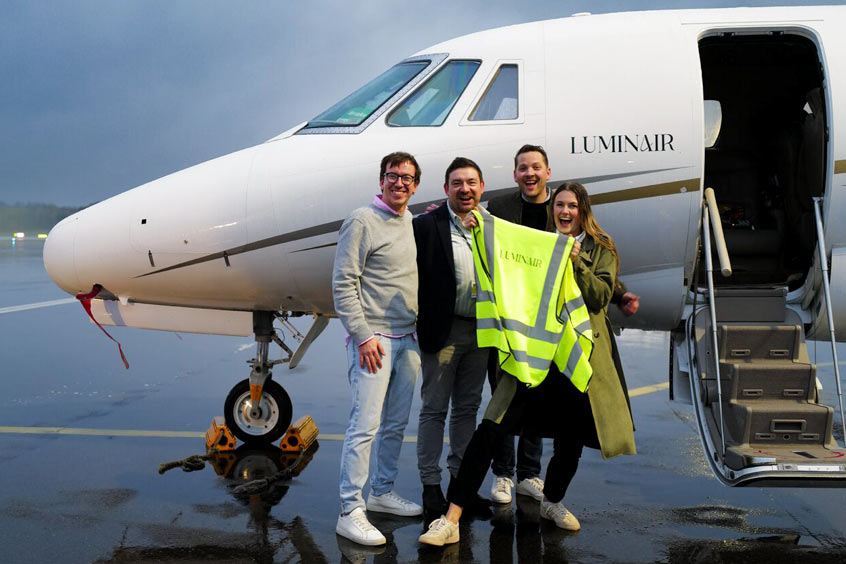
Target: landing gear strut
x: 258, y: 410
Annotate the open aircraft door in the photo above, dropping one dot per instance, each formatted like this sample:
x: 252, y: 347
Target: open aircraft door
x: 768, y: 163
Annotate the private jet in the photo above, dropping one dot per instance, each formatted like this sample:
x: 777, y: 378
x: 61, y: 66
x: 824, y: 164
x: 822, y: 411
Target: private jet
x: 705, y: 137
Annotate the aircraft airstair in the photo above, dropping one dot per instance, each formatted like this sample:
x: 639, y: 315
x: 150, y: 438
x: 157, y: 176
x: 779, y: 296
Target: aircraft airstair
x: 754, y: 389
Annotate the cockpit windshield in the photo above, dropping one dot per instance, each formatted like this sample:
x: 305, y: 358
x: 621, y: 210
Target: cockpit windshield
x: 358, y: 106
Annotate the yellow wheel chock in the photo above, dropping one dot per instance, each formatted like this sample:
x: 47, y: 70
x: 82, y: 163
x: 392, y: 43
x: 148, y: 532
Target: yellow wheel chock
x: 218, y: 436
x: 301, y: 434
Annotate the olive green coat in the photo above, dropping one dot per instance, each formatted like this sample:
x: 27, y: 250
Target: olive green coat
x: 595, y: 272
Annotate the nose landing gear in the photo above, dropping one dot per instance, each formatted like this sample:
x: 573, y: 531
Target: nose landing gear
x: 258, y: 410
x: 262, y: 421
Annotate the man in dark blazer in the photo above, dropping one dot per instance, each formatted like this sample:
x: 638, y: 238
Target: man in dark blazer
x: 453, y: 365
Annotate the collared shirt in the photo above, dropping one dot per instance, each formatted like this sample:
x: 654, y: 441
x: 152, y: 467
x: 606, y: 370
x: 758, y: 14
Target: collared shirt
x: 581, y: 236
x: 465, y: 271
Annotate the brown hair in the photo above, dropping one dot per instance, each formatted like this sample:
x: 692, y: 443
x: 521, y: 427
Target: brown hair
x: 397, y: 158
x: 462, y: 162
x: 588, y: 220
x: 531, y: 149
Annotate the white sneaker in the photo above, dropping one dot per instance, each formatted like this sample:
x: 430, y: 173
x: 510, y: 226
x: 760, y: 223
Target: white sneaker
x: 557, y: 513
x: 440, y: 532
x: 532, y: 487
x: 501, y: 490
x: 393, y: 504
x: 357, y: 528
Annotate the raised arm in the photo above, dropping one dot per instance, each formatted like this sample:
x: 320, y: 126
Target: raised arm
x: 596, y: 281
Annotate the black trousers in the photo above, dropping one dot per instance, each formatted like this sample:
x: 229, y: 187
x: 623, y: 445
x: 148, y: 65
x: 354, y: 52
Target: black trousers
x: 527, y: 458
x: 555, y: 406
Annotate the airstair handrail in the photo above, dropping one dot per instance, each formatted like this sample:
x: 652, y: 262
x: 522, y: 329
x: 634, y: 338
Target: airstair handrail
x: 828, y: 310
x: 712, y: 307
x: 719, y: 239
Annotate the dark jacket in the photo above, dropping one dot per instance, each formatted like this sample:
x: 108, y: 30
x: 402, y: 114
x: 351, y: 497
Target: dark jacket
x: 436, y: 272
x: 508, y: 207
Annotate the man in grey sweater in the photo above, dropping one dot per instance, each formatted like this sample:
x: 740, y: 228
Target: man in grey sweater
x: 374, y: 283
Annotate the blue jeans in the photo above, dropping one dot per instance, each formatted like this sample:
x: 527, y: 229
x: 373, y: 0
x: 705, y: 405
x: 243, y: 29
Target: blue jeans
x: 380, y: 406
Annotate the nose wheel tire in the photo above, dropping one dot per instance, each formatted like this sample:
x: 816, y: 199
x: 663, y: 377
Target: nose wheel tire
x: 258, y: 424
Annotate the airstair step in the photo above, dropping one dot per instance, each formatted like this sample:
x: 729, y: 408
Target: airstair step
x: 777, y: 422
x: 766, y: 381
x: 759, y: 342
x: 789, y: 457
x: 750, y: 304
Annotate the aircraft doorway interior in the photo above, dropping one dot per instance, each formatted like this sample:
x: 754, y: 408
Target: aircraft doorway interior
x: 767, y: 161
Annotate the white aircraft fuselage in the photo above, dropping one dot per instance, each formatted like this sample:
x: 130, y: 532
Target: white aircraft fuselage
x: 616, y: 100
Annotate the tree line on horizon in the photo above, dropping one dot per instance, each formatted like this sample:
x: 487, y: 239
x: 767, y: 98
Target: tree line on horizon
x: 32, y: 217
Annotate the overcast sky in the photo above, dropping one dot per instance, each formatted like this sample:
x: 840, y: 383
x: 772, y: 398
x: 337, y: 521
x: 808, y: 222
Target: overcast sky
x: 97, y: 97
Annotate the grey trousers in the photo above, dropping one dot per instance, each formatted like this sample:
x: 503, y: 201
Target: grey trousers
x: 455, y: 373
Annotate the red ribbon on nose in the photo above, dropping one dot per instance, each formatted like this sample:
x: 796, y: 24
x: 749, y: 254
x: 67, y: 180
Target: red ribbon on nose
x: 85, y: 300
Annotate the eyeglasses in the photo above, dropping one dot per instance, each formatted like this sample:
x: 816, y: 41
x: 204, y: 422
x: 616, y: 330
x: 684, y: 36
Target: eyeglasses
x: 392, y: 177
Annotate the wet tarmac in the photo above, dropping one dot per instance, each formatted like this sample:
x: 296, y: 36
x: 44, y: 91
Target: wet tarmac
x: 90, y: 494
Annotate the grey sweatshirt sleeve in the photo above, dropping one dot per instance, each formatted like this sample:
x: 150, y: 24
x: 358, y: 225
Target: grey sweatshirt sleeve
x: 350, y: 258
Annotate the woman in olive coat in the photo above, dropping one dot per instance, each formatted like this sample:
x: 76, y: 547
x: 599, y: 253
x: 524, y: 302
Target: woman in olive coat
x: 599, y: 418
x: 595, y: 265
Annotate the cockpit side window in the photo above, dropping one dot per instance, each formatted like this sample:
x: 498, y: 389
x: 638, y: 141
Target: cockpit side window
x: 353, y: 110
x: 431, y: 103
x: 499, y: 101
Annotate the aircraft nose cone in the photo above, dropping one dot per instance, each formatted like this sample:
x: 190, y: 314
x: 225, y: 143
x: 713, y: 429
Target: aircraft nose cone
x: 59, y: 255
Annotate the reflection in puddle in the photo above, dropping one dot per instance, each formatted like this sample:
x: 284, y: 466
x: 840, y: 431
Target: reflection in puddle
x: 713, y: 515
x: 257, y: 478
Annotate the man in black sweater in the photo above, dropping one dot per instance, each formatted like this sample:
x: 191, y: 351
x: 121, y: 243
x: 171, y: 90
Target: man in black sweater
x: 526, y: 206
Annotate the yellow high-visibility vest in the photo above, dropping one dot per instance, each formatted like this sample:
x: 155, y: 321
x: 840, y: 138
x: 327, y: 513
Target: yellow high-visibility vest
x: 528, y: 305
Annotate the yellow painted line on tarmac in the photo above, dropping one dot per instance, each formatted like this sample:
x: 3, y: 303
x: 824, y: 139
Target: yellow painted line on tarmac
x: 648, y: 389
x: 405, y: 439
x: 74, y: 431
x: 137, y: 433
x: 99, y: 432
x: 330, y: 437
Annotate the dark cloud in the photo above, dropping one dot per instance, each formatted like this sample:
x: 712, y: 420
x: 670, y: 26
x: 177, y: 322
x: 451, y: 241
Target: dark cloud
x: 99, y: 97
